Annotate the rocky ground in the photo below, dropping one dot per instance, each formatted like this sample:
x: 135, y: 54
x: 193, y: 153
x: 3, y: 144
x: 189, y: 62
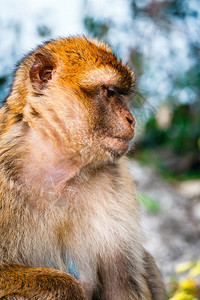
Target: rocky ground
x: 173, y: 230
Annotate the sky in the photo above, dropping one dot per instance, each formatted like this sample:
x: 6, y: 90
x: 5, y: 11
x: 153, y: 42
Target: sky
x: 19, y: 23
x: 20, y: 20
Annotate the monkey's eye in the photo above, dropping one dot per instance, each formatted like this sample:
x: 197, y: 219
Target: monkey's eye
x: 111, y: 91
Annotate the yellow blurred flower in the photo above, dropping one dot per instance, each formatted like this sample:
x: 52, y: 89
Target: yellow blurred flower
x: 182, y: 295
x: 183, y: 267
x: 198, y: 143
x: 195, y: 270
x: 188, y: 288
x: 187, y: 284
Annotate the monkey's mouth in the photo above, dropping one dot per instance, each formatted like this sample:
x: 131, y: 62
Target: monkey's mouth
x: 116, y: 144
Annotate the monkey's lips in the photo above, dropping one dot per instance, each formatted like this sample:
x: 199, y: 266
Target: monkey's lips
x: 116, y: 144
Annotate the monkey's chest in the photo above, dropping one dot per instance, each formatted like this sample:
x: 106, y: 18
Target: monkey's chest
x: 101, y: 244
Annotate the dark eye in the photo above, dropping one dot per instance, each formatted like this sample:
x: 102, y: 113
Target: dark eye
x: 111, y: 91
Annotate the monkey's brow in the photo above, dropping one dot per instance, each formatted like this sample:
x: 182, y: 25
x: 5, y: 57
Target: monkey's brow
x: 91, y: 90
x: 122, y: 91
x: 102, y: 75
x: 117, y: 89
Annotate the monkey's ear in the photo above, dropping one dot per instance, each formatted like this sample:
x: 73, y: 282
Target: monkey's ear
x: 41, y: 71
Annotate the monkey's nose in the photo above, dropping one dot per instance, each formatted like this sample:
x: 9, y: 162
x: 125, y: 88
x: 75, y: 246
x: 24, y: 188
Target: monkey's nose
x: 126, y: 125
x: 129, y: 118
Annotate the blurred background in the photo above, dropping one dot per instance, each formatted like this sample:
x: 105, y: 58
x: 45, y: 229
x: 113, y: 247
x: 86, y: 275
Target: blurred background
x: 160, y: 40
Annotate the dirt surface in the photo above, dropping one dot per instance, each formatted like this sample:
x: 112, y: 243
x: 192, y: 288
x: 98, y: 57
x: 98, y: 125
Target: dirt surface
x: 172, y: 232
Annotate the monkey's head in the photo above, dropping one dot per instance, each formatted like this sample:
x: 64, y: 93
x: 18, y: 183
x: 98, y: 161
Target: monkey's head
x: 77, y: 95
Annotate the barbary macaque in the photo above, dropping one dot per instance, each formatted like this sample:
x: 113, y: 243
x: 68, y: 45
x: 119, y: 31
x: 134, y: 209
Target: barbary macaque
x: 69, y: 219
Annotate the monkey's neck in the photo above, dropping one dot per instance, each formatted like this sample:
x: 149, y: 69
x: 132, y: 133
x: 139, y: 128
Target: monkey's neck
x: 48, y: 166
x: 52, y: 173
x: 46, y: 171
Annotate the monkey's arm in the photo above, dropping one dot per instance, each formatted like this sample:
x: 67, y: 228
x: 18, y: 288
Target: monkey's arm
x: 154, y: 278
x: 38, y: 283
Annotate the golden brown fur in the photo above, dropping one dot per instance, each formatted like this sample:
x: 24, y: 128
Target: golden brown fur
x: 66, y: 196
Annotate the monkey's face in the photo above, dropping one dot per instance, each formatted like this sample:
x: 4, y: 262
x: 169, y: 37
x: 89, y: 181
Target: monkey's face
x: 83, y: 89
x: 111, y: 121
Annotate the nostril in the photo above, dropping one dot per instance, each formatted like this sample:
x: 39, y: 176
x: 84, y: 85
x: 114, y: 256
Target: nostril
x: 130, y: 120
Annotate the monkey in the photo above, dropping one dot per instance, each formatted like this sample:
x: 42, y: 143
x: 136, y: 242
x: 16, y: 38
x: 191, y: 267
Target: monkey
x: 69, y: 218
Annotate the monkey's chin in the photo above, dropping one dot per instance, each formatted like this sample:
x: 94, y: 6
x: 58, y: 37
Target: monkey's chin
x: 117, y: 146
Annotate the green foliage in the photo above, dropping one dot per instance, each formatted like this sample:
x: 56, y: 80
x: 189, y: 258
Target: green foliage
x: 177, y: 146
x: 96, y: 28
x: 3, y: 80
x: 3, y: 85
x: 149, y: 203
x: 44, y: 31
